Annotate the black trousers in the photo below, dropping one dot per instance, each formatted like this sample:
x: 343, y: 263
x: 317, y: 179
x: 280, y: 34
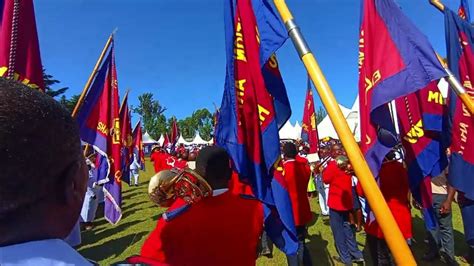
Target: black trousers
x: 379, y: 252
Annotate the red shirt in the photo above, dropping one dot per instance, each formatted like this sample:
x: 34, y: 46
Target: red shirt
x: 393, y: 180
x: 157, y: 159
x: 340, y: 187
x: 220, y: 230
x: 297, y: 174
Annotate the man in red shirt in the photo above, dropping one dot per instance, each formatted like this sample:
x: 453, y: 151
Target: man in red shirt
x: 222, y: 229
x: 157, y: 158
x: 340, y: 205
x: 297, y: 174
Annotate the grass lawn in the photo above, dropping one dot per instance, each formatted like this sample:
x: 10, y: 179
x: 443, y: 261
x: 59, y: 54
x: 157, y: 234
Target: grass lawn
x: 108, y: 244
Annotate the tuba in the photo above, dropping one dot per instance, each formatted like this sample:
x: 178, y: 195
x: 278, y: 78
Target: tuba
x: 168, y: 185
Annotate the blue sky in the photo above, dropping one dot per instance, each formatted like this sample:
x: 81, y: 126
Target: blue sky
x: 175, y: 49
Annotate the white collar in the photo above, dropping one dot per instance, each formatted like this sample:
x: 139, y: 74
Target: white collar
x: 218, y: 192
x: 42, y: 252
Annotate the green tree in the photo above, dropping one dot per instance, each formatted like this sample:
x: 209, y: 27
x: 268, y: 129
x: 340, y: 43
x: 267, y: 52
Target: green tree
x: 204, y: 122
x: 49, y: 81
x: 201, y: 120
x: 151, y: 111
x: 320, y: 114
x: 70, y: 103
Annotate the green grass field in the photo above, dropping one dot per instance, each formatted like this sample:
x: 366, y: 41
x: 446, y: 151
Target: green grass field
x: 108, y: 244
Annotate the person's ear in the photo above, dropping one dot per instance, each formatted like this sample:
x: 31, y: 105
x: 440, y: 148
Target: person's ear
x: 75, y: 182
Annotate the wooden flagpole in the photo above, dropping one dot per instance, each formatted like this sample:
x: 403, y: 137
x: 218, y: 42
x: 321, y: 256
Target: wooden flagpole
x: 92, y: 75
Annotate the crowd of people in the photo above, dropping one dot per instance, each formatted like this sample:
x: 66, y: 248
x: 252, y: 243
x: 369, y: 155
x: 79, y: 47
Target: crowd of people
x: 44, y: 186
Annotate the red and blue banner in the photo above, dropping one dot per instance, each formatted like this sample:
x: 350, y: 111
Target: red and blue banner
x: 395, y: 59
x: 309, y: 131
x: 460, y: 126
x: 254, y: 106
x: 463, y: 11
x: 420, y: 117
x: 20, y: 57
x: 99, y: 125
x: 138, y: 144
x: 127, y: 140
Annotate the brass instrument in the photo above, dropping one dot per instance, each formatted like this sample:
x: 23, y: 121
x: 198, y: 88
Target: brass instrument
x: 344, y: 164
x: 168, y: 185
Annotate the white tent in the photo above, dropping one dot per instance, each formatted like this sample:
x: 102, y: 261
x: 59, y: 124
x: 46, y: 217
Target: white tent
x: 325, y: 127
x: 161, y: 140
x: 147, y: 139
x: 298, y: 130
x: 353, y: 119
x: 198, y: 140
x: 181, y: 140
x: 287, y: 131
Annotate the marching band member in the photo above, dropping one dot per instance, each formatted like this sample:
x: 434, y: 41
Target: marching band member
x: 297, y: 174
x: 211, y: 230
x: 393, y: 182
x: 340, y: 205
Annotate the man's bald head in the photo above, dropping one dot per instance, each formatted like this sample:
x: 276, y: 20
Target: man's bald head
x: 40, y: 151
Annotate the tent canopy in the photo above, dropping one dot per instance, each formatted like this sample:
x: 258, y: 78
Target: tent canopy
x: 147, y: 139
x: 198, y: 140
x: 161, y: 140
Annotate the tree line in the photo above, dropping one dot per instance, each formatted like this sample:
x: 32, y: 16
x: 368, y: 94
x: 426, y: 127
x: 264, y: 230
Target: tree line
x: 152, y: 112
x: 154, y: 120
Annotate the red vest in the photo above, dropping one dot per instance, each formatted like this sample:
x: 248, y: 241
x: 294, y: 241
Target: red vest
x: 340, y: 187
x: 297, y: 175
x: 220, y: 230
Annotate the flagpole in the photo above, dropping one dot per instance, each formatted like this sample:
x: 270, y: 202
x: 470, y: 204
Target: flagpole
x: 455, y: 84
x: 92, y: 75
x: 390, y: 229
x: 437, y: 4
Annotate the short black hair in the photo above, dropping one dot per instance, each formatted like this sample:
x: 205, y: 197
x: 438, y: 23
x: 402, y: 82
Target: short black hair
x: 38, y: 140
x: 213, y: 163
x: 289, y: 150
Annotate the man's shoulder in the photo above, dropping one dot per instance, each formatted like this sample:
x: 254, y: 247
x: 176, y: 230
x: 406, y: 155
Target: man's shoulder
x: 228, y: 203
x: 42, y: 252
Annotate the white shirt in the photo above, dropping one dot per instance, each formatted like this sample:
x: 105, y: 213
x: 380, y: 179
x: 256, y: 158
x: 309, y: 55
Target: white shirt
x: 54, y: 252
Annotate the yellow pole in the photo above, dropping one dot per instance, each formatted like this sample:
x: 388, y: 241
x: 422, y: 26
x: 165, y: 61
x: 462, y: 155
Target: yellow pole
x: 438, y: 5
x: 393, y: 236
x: 455, y: 84
x: 91, y: 77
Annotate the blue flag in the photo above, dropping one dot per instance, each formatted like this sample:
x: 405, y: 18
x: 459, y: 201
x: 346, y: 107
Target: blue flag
x: 254, y: 106
x: 460, y: 126
x: 463, y: 11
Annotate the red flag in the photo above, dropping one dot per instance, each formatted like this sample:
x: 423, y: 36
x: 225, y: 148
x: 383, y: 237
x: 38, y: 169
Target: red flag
x: 126, y: 125
x: 421, y: 140
x: 404, y: 64
x: 113, y: 212
x: 19, y: 49
x: 174, y: 135
x: 167, y: 140
x: 309, y: 132
x: 138, y: 144
x: 99, y: 123
x: 127, y: 140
